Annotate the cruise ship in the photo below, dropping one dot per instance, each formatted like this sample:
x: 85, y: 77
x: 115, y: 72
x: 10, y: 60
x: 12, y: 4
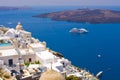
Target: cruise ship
x: 77, y: 30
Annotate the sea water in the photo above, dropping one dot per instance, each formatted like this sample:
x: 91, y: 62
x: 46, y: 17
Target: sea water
x: 81, y: 50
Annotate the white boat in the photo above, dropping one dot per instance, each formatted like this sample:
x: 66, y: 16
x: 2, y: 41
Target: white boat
x: 99, y: 74
x: 74, y: 30
x: 77, y: 30
x: 83, y: 30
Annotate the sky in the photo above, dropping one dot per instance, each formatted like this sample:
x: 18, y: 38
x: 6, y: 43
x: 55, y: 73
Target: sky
x: 59, y: 2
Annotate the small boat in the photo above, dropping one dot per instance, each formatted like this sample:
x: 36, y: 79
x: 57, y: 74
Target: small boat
x: 77, y: 30
x: 99, y: 55
x: 99, y: 74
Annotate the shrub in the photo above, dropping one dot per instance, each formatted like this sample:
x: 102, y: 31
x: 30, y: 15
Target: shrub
x: 27, y: 63
x: 37, y: 62
x: 73, y: 78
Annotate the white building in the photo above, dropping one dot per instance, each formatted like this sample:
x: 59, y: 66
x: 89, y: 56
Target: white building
x: 9, y: 56
x: 45, y: 57
x: 11, y: 33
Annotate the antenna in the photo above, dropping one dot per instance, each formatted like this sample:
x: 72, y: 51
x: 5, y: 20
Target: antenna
x: 51, y: 65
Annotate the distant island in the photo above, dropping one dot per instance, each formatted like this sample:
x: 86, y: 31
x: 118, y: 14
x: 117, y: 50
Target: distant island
x: 13, y: 8
x: 85, y: 15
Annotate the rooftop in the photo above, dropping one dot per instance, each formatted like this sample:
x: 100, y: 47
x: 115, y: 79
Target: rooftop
x: 46, y: 55
x: 36, y: 45
x: 8, y: 52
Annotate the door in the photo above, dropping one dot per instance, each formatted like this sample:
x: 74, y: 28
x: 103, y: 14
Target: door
x: 30, y: 60
x: 10, y: 61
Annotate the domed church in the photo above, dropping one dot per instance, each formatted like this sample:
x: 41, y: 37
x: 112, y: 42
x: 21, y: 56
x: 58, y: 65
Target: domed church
x: 19, y: 26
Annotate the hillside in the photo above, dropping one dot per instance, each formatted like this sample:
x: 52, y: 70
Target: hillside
x: 85, y: 15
